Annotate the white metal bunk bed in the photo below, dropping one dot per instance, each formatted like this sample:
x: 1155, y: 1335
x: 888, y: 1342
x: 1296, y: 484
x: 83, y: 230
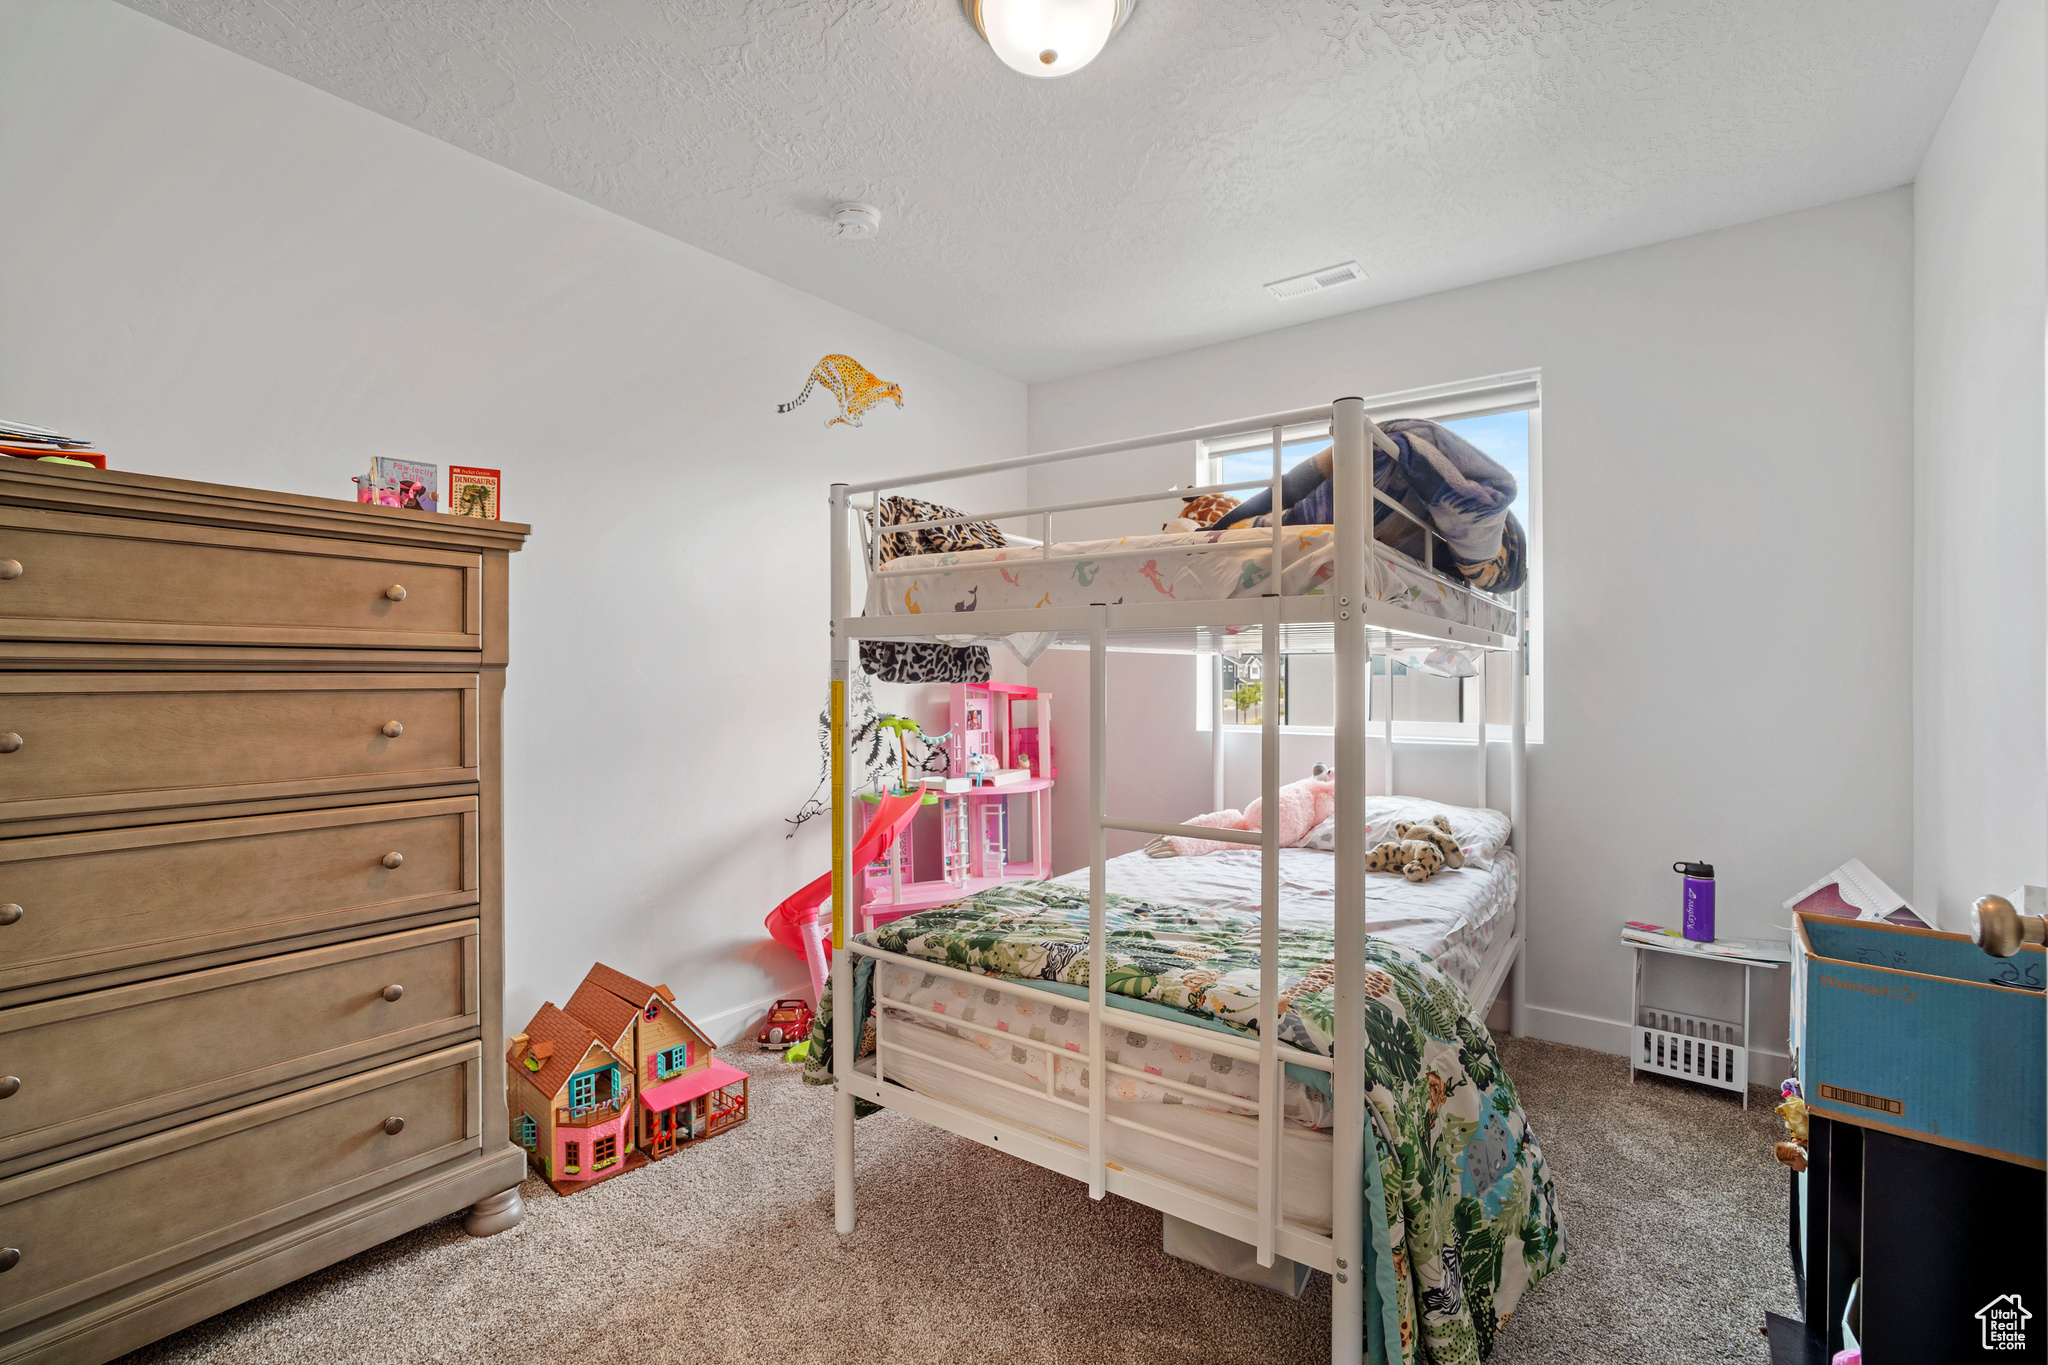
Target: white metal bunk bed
x: 1342, y: 619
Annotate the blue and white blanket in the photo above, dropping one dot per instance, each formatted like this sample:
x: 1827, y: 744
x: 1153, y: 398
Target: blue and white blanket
x: 1454, y: 487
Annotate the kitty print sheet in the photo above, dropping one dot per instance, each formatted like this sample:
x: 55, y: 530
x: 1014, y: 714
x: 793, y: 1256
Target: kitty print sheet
x: 1183, y: 566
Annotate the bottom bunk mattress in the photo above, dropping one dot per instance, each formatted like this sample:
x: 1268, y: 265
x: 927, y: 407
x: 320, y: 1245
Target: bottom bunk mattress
x: 1459, y: 919
x: 952, y: 1068
x: 1462, y: 1218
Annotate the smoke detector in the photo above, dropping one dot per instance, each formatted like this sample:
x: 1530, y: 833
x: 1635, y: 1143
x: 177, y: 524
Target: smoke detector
x: 1329, y: 277
x: 857, y: 221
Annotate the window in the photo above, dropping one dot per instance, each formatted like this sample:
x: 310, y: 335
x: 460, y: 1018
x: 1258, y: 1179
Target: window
x: 604, y: 1151
x: 671, y: 1060
x: 1503, y: 417
x: 583, y: 1090
x: 524, y: 1133
x: 571, y: 1154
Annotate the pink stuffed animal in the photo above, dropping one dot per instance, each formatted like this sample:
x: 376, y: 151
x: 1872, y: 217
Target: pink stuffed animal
x: 1303, y: 806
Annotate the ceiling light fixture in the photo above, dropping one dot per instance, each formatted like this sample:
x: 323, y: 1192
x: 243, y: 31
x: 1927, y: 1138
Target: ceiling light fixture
x: 1048, y: 37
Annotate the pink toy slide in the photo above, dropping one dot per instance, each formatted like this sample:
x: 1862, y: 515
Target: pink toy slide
x: 795, y: 923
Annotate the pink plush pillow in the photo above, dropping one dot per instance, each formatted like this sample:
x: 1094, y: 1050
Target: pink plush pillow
x: 1303, y: 806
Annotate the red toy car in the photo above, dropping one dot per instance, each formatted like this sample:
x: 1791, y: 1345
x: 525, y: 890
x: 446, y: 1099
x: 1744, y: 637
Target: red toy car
x: 789, y: 1022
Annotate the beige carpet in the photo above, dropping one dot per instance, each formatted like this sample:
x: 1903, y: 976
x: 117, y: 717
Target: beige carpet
x: 1674, y: 1211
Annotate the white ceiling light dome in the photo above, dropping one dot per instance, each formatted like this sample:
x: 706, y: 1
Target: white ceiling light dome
x: 1048, y: 37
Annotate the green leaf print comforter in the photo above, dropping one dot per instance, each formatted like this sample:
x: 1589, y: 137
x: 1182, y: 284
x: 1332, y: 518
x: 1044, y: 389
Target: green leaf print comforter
x: 1462, y: 1219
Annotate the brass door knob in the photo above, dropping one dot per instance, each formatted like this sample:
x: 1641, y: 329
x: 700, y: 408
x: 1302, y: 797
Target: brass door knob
x: 10, y: 568
x: 9, y: 913
x: 9, y: 742
x: 394, y: 1125
x: 396, y: 592
x: 392, y: 729
x: 394, y: 860
x: 10, y: 1257
x: 8, y: 1085
x: 2001, y: 930
x: 394, y: 993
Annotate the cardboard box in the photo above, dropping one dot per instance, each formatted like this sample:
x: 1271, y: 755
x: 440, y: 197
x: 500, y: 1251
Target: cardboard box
x: 1921, y: 1033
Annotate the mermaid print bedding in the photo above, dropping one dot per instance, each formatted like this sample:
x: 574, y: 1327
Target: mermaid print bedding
x: 1178, y: 566
x: 1462, y: 1218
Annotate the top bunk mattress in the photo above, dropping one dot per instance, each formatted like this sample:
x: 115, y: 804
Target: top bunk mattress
x: 1179, y: 566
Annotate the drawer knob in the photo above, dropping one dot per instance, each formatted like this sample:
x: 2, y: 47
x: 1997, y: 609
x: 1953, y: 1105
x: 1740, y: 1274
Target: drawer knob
x: 9, y: 913
x: 8, y: 1085
x: 396, y: 592
x: 394, y: 1125
x: 392, y: 729
x: 10, y: 1257
x: 9, y: 742
x: 394, y: 861
x: 10, y: 568
x: 394, y: 993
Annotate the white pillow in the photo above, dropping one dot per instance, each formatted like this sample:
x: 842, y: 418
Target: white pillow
x: 1482, y: 834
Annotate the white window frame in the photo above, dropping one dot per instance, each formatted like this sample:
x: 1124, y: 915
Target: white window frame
x: 1518, y: 391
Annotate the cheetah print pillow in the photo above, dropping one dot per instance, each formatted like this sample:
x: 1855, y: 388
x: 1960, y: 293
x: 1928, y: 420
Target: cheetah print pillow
x: 927, y: 661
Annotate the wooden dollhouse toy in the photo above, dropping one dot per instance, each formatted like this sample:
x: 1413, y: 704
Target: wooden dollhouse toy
x: 685, y: 1092
x: 990, y: 758
x: 571, y: 1101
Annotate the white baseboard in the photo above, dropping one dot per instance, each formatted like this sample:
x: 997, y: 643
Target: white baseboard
x: 741, y: 1021
x: 1609, y: 1035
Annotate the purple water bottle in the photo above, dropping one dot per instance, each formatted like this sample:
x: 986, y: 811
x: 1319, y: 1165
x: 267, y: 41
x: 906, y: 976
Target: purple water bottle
x: 1699, y: 900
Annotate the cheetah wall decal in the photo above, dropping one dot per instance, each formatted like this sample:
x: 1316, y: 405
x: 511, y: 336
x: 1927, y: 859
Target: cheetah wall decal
x: 849, y: 382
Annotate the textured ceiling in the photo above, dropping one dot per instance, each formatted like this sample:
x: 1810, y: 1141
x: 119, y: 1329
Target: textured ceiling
x: 1137, y: 207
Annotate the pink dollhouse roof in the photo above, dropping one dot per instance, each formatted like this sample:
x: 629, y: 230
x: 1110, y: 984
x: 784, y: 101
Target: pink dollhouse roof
x: 690, y: 1085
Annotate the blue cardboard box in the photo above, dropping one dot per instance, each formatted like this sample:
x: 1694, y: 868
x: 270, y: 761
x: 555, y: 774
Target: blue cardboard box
x: 1921, y: 1033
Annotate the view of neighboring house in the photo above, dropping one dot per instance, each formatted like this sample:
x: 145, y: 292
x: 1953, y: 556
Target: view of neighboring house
x: 685, y: 1092
x: 571, y: 1100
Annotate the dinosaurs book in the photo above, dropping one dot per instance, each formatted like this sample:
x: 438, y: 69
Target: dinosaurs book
x: 473, y: 492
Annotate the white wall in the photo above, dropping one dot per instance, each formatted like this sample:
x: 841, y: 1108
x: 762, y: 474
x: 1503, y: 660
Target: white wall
x: 1727, y: 523
x: 1980, y: 599
x: 223, y: 274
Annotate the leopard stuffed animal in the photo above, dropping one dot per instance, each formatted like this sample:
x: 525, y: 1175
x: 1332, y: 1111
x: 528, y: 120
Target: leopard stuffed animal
x: 1415, y: 859
x: 1436, y: 830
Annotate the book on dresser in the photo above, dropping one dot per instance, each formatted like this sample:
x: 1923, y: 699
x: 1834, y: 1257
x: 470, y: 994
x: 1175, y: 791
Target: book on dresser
x: 250, y: 812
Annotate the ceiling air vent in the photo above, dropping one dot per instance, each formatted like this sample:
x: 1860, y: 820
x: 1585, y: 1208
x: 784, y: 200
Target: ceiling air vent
x: 1329, y: 277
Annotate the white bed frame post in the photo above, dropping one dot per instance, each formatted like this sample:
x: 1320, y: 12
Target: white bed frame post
x: 1098, y: 951
x: 846, y: 1036
x: 1351, y: 479
x: 1216, y: 760
x: 1518, y: 811
x: 1268, y: 1193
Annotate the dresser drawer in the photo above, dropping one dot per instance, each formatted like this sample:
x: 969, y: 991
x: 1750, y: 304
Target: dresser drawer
x: 127, y: 579
x: 97, y: 1222
x: 81, y: 744
x: 118, y: 900
x: 143, y: 1057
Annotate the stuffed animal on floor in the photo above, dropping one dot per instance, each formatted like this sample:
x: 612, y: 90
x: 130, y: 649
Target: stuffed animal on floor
x: 1435, y: 830
x: 1416, y: 859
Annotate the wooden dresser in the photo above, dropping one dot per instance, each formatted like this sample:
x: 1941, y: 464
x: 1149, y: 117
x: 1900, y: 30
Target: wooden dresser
x: 251, y: 902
